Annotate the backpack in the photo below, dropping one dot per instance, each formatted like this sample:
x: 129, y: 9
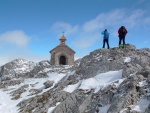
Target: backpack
x: 123, y: 31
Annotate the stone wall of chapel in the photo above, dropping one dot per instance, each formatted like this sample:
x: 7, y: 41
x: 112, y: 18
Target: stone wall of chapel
x: 59, y: 51
x: 62, y: 48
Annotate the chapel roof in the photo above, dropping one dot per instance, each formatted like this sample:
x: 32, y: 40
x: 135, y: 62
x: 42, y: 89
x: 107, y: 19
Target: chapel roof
x: 62, y: 44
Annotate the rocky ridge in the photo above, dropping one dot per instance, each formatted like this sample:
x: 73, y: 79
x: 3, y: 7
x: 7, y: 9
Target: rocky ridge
x: 43, y: 88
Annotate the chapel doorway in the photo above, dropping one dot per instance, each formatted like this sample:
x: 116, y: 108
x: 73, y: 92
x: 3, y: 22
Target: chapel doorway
x: 62, y: 60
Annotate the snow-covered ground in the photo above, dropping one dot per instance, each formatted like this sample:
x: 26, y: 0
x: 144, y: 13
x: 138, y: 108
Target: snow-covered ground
x: 101, y: 80
x: 103, y: 109
x: 6, y: 104
x: 127, y: 59
x: 142, y: 105
x: 97, y: 82
x: 50, y: 110
x: 71, y: 88
x: 23, y: 66
x: 9, y: 106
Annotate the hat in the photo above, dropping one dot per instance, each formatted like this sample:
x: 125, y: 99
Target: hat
x: 122, y: 27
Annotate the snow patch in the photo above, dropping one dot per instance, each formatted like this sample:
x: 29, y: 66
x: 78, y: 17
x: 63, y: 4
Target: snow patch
x: 71, y: 88
x: 6, y: 104
x: 127, y: 59
x: 9, y: 106
x: 51, y: 109
x: 103, y: 109
x: 142, y: 83
x: 100, y: 80
x: 47, y: 69
x: 142, y: 105
x: 56, y: 77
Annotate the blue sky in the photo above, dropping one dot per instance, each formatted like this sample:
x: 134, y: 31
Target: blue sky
x: 31, y: 28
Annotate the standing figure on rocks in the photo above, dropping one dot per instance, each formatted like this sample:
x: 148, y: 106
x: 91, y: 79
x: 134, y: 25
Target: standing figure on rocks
x: 105, y: 38
x: 122, y: 31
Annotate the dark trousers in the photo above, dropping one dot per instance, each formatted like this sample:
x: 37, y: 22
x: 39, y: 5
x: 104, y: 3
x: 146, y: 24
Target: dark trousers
x: 105, y: 41
x: 122, y: 38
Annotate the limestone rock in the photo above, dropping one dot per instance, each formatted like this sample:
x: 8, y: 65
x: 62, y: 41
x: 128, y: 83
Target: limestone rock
x: 119, y: 96
x: 48, y: 83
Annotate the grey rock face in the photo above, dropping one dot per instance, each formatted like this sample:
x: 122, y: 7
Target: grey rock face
x: 147, y: 109
x: 117, y: 96
x: 126, y: 94
x: 15, y: 67
x: 16, y: 94
x: 7, y: 83
x: 48, y: 83
x: 103, y: 60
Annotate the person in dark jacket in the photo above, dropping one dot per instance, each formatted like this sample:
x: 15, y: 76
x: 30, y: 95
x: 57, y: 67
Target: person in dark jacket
x: 122, y: 31
x: 105, y: 38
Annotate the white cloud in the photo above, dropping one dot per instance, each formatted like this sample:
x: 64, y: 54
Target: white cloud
x: 60, y: 27
x: 83, y: 36
x: 147, y: 20
x: 116, y: 18
x: 135, y: 18
x: 103, y: 20
x: 112, y: 21
x: 146, y: 42
x: 84, y: 41
x: 20, y: 41
x: 17, y: 37
x: 90, y: 32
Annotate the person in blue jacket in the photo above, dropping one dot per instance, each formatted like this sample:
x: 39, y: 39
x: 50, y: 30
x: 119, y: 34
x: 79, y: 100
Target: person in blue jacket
x: 105, y: 38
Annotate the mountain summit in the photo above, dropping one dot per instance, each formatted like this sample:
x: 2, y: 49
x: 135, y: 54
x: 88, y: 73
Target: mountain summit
x: 112, y: 80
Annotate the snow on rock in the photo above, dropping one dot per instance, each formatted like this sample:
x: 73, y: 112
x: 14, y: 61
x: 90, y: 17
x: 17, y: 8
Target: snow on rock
x: 50, y: 110
x: 85, y: 76
x: 103, y: 109
x: 142, y: 83
x: 38, y: 83
x: 67, y: 66
x: 71, y: 88
x: 127, y: 59
x: 23, y: 65
x: 17, y: 66
x: 6, y: 104
x: 56, y: 77
x: 142, y: 105
x: 9, y: 106
x: 44, y: 63
x: 70, y: 73
x: 98, y: 56
x: 100, y: 80
x: 47, y: 69
x: 96, y: 82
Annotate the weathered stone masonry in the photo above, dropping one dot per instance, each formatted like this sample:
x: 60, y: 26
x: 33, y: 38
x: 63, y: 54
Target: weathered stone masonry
x: 62, y: 54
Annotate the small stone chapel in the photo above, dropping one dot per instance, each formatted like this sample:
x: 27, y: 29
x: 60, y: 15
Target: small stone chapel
x: 62, y: 54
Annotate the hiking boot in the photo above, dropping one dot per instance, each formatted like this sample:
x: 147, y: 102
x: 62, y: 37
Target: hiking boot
x: 124, y: 46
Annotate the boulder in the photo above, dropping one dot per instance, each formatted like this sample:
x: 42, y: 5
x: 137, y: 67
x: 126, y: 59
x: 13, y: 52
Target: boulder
x: 48, y: 83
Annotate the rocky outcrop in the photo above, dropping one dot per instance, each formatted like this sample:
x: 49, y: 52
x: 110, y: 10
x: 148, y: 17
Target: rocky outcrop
x: 120, y: 96
x: 147, y: 109
x: 15, y: 67
x: 103, y: 60
x: 5, y: 84
x: 126, y: 94
x: 17, y: 93
x: 48, y: 83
